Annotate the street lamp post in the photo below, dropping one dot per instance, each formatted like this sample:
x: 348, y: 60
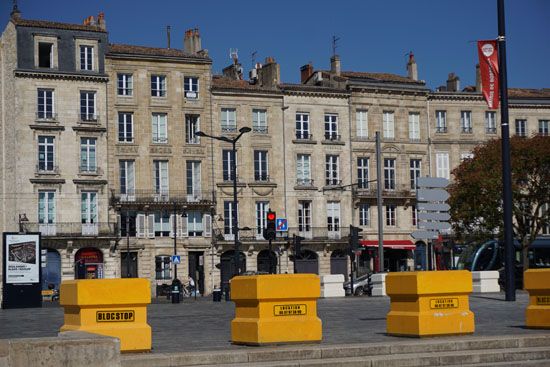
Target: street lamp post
x: 235, y: 227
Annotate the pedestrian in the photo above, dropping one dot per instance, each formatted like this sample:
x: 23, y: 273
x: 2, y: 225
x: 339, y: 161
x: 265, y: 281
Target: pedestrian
x: 191, y: 284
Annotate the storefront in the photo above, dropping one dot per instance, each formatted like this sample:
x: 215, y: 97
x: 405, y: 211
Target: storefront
x: 88, y: 263
x: 398, y: 255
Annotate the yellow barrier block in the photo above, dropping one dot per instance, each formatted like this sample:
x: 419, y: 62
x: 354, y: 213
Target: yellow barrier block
x: 537, y: 283
x: 112, y: 307
x: 278, y: 308
x: 429, y: 303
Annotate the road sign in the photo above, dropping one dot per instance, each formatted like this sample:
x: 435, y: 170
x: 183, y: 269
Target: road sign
x: 176, y: 259
x: 431, y: 195
x: 432, y: 182
x: 434, y: 216
x: 434, y: 225
x: 425, y: 235
x: 282, y: 225
x: 433, y: 207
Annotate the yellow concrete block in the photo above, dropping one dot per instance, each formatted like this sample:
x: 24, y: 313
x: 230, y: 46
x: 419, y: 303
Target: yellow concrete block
x: 112, y: 307
x: 537, y: 283
x: 429, y: 303
x: 278, y: 308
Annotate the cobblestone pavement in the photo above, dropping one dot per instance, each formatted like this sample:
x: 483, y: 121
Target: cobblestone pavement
x: 205, y: 325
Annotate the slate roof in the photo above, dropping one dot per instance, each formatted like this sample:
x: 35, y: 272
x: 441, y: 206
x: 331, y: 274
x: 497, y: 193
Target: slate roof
x: 56, y: 25
x: 380, y: 77
x: 528, y: 93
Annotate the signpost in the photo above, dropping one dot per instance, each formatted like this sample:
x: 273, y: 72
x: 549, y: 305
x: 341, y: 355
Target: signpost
x: 176, y: 259
x: 432, y: 211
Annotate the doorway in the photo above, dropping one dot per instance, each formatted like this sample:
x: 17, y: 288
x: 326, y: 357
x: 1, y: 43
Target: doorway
x: 307, y: 263
x: 133, y: 273
x: 339, y: 263
x: 196, y: 269
x: 267, y: 262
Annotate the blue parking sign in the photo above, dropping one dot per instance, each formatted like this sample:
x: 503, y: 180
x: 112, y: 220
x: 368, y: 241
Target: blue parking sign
x: 281, y: 225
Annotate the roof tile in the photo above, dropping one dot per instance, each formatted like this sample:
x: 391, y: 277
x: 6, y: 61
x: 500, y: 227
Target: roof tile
x: 56, y: 25
x: 152, y: 51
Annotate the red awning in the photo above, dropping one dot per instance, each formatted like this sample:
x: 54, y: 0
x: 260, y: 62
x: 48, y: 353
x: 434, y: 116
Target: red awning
x: 390, y: 244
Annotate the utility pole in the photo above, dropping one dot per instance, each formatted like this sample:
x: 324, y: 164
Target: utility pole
x: 127, y: 243
x: 174, y: 228
x: 379, y: 203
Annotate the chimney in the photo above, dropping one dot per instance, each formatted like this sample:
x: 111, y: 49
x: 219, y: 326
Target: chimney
x: 478, y: 79
x: 197, y: 40
x: 453, y: 83
x: 192, y: 41
x: 412, y: 69
x: 101, y: 21
x: 270, y: 74
x: 306, y: 71
x: 335, y: 65
x: 15, y: 13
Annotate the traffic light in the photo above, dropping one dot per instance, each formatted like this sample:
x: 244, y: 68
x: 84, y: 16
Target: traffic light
x: 270, y: 230
x: 354, y: 238
x: 297, y: 244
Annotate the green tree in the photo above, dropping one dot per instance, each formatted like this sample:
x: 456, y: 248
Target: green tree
x: 476, y: 193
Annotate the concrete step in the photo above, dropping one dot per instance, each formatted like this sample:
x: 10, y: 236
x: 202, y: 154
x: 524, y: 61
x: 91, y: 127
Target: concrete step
x: 424, y: 352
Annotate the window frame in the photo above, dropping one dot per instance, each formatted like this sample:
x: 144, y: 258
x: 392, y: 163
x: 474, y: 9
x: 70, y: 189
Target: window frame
x: 158, y: 86
x: 191, y: 84
x: 43, y: 113
x: 228, y: 124
x: 159, y: 128
x: 261, y: 165
x: 127, y: 131
x: 390, y: 174
x: 87, y: 62
x: 303, y: 131
x: 332, y: 169
x: 125, y: 84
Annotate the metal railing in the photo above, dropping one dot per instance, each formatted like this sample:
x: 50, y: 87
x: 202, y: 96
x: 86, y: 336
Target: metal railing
x: 88, y: 117
x: 159, y: 140
x: 304, y: 135
x: 73, y: 229
x: 441, y: 129
x: 46, y: 116
x: 90, y: 170
x: 261, y: 177
x: 154, y: 196
x: 329, y: 232
x: 333, y: 182
x: 229, y: 129
x: 260, y: 129
x: 401, y: 190
x: 304, y: 182
x: 332, y: 137
x: 491, y: 130
x: 466, y: 129
x: 46, y: 169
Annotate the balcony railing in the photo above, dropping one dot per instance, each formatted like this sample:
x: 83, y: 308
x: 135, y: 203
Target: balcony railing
x: 160, y: 140
x: 193, y: 140
x: 153, y: 196
x: 491, y: 130
x: 229, y: 129
x: 260, y: 129
x: 332, y: 137
x: 89, y: 117
x: 73, y: 229
x: 90, y: 170
x: 45, y: 168
x: 403, y: 191
x: 304, y: 135
x: 46, y: 116
x: 261, y: 177
x: 466, y: 129
x: 333, y: 182
x: 441, y: 129
x: 309, y: 232
x: 304, y: 182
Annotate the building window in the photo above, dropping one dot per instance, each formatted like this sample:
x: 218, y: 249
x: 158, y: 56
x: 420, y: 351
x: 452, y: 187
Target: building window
x: 490, y: 122
x: 88, y: 155
x: 259, y: 121
x: 442, y: 165
x: 440, y: 121
x: 192, y: 125
x: 160, y: 177
x: 45, y: 110
x: 261, y: 167
x: 228, y: 213
x: 464, y: 156
x: 390, y: 215
x: 304, y: 216
x: 332, y: 172
x: 303, y: 170
x: 228, y: 159
x: 262, y: 207
x: 333, y: 216
x: 195, y: 227
x: 125, y: 127
x: 131, y: 217
x: 191, y: 87
x: 389, y: 173
x: 388, y: 125
x: 302, y: 126
x: 158, y: 85
x: 46, y: 153
x: 45, y: 55
x: 229, y: 120
x: 125, y: 84
x: 415, y: 170
x: 46, y: 207
x: 331, y: 127
x: 193, y: 170
x: 163, y: 226
x: 521, y: 128
x: 87, y: 107
x: 89, y: 207
x: 543, y: 127
x: 159, y: 128
x: 414, y: 213
x: 362, y: 122
x: 162, y: 267
x: 414, y: 126
x: 363, y: 172
x: 364, y: 214
x: 86, y: 57
x: 466, y: 121
x: 127, y: 178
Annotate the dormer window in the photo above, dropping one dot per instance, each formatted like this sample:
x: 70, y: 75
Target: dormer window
x: 45, y: 55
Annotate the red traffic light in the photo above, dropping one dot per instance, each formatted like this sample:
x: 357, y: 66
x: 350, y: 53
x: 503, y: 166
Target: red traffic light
x: 270, y: 216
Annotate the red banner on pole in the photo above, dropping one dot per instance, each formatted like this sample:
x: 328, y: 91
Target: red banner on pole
x: 488, y: 64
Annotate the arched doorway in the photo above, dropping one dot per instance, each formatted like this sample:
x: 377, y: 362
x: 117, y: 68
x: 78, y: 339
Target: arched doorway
x: 307, y: 263
x: 227, y: 267
x: 267, y: 262
x: 88, y: 263
x: 339, y: 263
x: 51, y: 271
x: 420, y: 256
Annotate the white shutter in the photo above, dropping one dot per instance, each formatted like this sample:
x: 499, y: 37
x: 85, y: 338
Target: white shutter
x: 119, y: 221
x: 183, y: 231
x: 140, y: 225
x: 207, y: 219
x: 172, y: 225
x: 151, y: 226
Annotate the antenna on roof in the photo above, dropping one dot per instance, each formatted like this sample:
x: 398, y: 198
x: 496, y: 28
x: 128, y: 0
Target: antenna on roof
x: 254, y: 58
x: 168, y: 34
x: 334, y: 45
x: 234, y: 54
x: 15, y: 10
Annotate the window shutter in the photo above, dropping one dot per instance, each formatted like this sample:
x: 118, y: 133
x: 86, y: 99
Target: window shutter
x: 184, y: 232
x: 172, y: 225
x: 207, y: 219
x: 140, y: 225
x: 151, y: 226
x: 119, y: 221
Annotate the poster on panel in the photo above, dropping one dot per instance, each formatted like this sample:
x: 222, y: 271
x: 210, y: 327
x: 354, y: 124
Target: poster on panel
x: 22, y: 258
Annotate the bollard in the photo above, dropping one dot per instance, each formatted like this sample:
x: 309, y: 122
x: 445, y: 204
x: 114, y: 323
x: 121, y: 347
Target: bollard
x: 537, y: 283
x: 429, y: 303
x: 278, y: 308
x: 112, y: 307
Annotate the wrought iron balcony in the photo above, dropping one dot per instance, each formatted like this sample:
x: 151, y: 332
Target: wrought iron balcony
x: 466, y: 129
x: 332, y: 137
x: 46, y: 116
x: 397, y: 191
x: 73, y: 229
x: 90, y: 170
x: 47, y: 169
x: 229, y: 129
x: 332, y: 232
x: 304, y: 135
x: 89, y: 117
x: 261, y: 177
x: 260, y: 129
x: 441, y: 129
x: 154, y: 197
x: 491, y: 130
x: 304, y: 182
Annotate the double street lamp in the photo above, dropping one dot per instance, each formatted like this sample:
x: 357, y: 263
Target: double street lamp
x: 233, y: 168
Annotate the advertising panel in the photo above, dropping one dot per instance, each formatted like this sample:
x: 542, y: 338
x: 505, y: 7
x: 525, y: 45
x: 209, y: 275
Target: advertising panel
x: 22, y: 258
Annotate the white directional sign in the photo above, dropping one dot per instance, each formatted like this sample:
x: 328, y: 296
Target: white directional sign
x: 434, y: 216
x: 432, y: 182
x: 433, y: 207
x: 431, y: 195
x: 434, y: 225
x: 425, y: 235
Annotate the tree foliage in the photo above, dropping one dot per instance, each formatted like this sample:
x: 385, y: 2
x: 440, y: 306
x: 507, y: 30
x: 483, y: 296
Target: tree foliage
x: 476, y: 193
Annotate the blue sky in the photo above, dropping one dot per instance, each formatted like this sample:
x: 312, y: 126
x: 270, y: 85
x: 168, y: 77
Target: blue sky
x: 374, y: 35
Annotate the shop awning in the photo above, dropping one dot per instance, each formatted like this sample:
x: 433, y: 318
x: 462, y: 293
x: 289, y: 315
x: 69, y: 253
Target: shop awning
x: 390, y: 244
